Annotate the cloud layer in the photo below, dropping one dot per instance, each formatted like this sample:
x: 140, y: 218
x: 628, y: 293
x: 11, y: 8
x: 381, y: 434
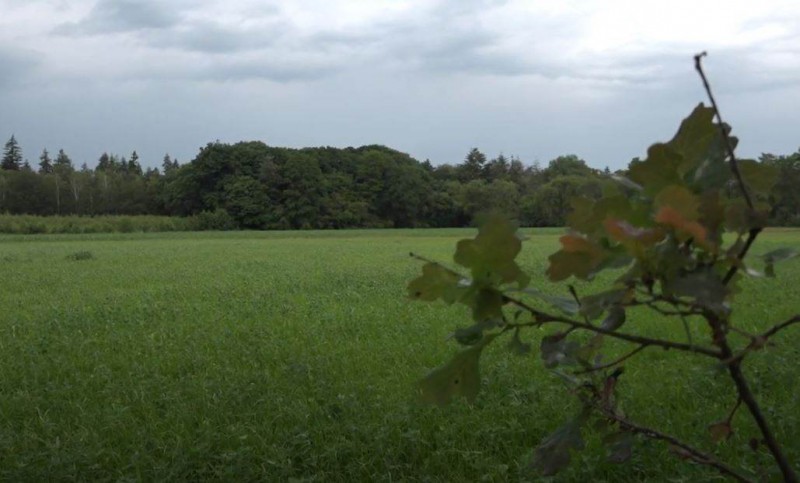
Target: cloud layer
x: 433, y: 78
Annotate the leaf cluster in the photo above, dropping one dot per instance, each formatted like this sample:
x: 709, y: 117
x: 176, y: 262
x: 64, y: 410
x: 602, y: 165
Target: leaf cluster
x: 675, y: 230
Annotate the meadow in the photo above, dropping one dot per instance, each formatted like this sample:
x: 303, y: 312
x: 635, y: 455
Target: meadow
x: 274, y: 356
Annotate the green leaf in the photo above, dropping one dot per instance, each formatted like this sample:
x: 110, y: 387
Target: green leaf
x: 587, y: 353
x: 568, y: 305
x: 759, y: 177
x: 627, y: 182
x: 473, y: 334
x: 593, y: 306
x: 578, y: 256
x: 705, y: 287
x: 459, y: 377
x: 660, y: 169
x: 517, y: 346
x: 555, y: 349
x: 614, y: 319
x: 434, y: 282
x: 490, y: 255
x: 553, y: 453
x: 488, y: 304
x: 695, y: 138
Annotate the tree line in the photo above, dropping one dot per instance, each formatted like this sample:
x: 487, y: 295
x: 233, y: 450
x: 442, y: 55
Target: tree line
x: 255, y: 186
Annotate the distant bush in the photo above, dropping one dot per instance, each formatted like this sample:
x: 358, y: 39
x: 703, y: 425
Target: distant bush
x: 30, y: 224
x: 82, y: 255
x: 218, y: 220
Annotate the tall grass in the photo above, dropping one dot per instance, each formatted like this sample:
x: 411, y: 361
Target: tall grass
x: 272, y: 356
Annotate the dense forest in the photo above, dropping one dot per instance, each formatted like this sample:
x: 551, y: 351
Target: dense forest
x: 255, y: 186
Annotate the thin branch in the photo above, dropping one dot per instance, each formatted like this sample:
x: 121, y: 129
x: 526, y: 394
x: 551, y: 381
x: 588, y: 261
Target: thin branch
x: 687, y: 329
x: 778, y: 327
x: 733, y: 411
x: 615, y: 362
x: 759, y: 341
x: 751, y: 237
x: 543, y: 317
x: 728, y: 144
x: 749, y: 399
x: 686, y: 450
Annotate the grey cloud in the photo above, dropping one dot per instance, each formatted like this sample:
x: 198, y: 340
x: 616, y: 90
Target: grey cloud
x: 120, y: 16
x: 17, y: 65
x: 211, y: 38
x: 275, y: 71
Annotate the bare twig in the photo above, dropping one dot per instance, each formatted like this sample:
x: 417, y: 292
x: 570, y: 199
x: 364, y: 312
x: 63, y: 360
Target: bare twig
x: 753, y: 233
x: 728, y: 144
x: 615, y: 362
x: 778, y: 327
x: 746, y: 394
x: 686, y: 450
x: 543, y: 318
x: 759, y: 341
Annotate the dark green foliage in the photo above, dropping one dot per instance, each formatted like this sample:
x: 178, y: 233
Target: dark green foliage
x: 81, y: 255
x: 265, y: 187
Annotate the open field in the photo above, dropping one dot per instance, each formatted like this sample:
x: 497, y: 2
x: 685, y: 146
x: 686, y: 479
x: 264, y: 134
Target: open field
x: 268, y: 356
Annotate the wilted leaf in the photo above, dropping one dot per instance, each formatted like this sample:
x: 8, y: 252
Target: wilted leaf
x: 720, y: 430
x: 490, y: 255
x: 679, y: 199
x: 433, y: 283
x: 684, y: 228
x: 619, y: 445
x: 553, y: 453
x: 459, y: 377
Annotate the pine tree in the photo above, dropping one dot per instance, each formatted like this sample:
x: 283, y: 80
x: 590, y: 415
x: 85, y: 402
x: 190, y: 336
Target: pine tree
x: 166, y: 165
x: 62, y: 162
x: 133, y: 165
x: 45, y: 164
x: 12, y: 155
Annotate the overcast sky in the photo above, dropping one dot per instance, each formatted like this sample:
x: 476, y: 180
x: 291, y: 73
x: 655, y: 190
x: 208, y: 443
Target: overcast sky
x: 433, y: 78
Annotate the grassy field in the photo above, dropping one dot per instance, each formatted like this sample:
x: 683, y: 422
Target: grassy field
x: 294, y: 355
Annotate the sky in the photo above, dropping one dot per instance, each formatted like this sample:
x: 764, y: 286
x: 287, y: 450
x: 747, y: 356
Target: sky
x: 432, y: 78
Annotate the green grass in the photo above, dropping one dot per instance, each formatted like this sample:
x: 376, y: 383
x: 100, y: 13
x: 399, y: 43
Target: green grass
x: 267, y: 356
